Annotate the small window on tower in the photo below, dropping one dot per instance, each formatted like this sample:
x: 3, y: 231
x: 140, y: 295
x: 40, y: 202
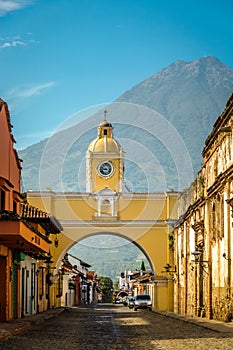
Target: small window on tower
x: 105, y: 132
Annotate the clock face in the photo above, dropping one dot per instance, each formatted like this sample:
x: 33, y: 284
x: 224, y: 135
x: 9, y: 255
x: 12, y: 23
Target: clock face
x: 105, y: 169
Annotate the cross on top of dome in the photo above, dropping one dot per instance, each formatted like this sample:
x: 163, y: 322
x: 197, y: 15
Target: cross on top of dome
x: 105, y: 122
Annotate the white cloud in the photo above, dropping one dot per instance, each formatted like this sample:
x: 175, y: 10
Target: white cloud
x: 12, y: 44
x: 13, y: 5
x: 17, y: 41
x: 29, y: 91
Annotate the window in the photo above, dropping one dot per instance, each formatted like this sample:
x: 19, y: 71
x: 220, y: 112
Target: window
x: 41, y: 282
x: 213, y: 221
x: 33, y: 280
x: 14, y: 206
x: 222, y: 217
x: 2, y: 199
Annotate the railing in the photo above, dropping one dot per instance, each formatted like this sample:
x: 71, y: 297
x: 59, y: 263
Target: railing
x: 28, y: 211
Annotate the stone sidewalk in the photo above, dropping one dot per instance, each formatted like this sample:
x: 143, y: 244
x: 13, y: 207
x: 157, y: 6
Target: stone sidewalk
x: 217, y: 326
x: 16, y: 326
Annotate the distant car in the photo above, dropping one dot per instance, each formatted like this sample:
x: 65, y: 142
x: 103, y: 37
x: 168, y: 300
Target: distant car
x: 118, y: 301
x: 142, y: 301
x: 129, y: 298
x: 125, y: 300
x: 131, y: 302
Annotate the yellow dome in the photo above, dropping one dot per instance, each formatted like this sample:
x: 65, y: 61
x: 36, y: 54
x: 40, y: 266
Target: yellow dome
x: 105, y: 141
x: 104, y: 145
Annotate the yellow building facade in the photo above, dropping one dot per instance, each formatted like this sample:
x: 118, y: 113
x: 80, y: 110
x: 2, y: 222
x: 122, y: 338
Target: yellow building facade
x: 144, y: 219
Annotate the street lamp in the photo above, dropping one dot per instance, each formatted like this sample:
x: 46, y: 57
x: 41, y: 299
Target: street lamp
x: 225, y: 256
x: 197, y: 257
x: 168, y: 269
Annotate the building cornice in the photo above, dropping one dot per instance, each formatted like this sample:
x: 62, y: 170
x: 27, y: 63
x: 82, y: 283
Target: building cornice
x: 220, y: 123
x: 221, y: 179
x: 86, y: 195
x: 200, y: 202
x: 116, y: 223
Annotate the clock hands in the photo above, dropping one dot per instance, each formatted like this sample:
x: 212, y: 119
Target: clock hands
x: 105, y: 169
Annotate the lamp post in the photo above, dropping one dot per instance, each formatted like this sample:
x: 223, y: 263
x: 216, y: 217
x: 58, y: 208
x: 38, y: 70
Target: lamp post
x: 48, y: 278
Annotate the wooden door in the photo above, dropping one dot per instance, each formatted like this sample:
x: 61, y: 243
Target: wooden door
x: 3, y: 284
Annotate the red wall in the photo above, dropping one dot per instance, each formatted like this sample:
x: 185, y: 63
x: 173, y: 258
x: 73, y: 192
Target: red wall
x: 9, y: 163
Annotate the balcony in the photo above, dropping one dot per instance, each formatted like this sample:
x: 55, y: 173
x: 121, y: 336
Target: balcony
x: 29, y: 232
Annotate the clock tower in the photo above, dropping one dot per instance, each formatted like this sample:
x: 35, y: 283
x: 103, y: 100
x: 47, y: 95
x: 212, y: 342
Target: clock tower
x: 104, y: 162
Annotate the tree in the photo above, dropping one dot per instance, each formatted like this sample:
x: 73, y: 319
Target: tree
x: 106, y: 286
x: 143, y: 268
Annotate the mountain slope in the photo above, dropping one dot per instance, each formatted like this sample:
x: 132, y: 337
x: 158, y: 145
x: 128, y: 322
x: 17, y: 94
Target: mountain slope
x: 188, y: 95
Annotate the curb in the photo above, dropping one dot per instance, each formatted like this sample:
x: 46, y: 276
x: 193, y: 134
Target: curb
x: 20, y: 329
x: 4, y: 335
x: 14, y: 329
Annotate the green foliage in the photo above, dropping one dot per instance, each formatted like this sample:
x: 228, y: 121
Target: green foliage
x: 171, y: 240
x: 106, y: 286
x: 116, y: 285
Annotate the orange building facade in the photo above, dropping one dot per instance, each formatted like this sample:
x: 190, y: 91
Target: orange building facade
x: 25, y: 237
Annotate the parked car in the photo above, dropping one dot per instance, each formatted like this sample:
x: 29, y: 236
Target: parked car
x: 142, y: 301
x: 131, y: 302
x: 126, y: 300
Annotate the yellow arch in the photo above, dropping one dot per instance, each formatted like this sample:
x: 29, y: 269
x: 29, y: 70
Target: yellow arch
x: 142, y: 218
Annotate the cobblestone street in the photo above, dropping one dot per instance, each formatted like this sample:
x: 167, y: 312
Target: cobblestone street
x: 117, y: 327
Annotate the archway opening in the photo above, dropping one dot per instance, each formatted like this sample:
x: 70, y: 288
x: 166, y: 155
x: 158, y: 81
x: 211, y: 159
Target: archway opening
x: 111, y: 255
x: 115, y: 268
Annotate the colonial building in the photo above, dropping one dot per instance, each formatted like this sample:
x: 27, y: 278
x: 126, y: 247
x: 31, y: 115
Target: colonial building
x: 80, y: 286
x: 203, y: 236
x: 25, y: 237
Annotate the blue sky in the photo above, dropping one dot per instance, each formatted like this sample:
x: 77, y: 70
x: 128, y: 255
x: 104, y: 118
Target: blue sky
x: 58, y: 57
